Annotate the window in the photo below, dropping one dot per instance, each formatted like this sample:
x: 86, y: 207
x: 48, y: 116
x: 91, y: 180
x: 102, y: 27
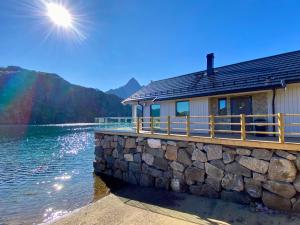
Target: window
x: 182, y: 108
x: 155, y: 110
x: 222, y: 106
x: 139, y: 111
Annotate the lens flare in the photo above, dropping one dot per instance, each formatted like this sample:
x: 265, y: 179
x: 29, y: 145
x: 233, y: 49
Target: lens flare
x: 59, y: 15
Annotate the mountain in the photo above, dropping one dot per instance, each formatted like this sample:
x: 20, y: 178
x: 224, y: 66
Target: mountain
x: 30, y: 97
x: 128, y: 89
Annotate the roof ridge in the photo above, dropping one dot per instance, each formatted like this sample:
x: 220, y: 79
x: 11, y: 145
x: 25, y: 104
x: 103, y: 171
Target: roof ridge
x: 257, y: 59
x: 233, y: 64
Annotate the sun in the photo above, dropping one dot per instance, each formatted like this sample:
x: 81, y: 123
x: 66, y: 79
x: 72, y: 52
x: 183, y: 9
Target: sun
x: 59, y: 15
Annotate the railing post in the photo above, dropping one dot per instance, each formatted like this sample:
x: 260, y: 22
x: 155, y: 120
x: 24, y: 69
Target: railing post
x: 212, y: 126
x: 188, y: 126
x: 243, y: 127
x: 281, y: 127
x: 151, y: 124
x: 138, y: 125
x: 168, y: 125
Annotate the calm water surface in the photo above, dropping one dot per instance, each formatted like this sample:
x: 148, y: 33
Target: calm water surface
x: 46, y: 171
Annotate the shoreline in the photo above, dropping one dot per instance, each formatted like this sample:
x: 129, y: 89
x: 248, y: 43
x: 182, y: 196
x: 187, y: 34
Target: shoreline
x: 136, y: 205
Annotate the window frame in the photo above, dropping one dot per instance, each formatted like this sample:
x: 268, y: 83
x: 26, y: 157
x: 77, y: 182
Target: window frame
x: 226, y: 106
x: 189, y: 108
x: 151, y: 110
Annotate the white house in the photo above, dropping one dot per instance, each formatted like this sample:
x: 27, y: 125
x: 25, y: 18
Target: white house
x: 267, y: 85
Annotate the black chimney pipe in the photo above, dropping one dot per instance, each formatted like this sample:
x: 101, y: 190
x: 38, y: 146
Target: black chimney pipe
x: 210, y: 64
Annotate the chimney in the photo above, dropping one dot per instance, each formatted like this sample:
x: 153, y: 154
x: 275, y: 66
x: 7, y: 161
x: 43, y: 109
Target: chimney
x: 210, y: 64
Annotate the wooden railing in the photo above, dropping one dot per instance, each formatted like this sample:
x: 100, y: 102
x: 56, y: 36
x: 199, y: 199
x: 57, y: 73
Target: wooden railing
x: 243, y: 126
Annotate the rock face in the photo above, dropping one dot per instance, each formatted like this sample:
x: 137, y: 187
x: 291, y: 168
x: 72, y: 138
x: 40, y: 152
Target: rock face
x: 154, y: 143
x: 281, y: 170
x: 276, y: 202
x: 233, y: 182
x: 239, y: 175
x: 213, y: 152
x: 262, y: 154
x: 282, y: 189
x: 148, y: 158
x: 194, y: 174
x: 254, y: 164
x: 199, y: 155
x: 171, y: 152
x: 213, y: 171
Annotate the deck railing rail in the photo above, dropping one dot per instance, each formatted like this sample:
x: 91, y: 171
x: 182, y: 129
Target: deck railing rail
x: 212, y: 125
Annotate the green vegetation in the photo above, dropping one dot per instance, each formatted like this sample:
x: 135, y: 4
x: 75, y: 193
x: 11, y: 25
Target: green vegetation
x: 30, y: 97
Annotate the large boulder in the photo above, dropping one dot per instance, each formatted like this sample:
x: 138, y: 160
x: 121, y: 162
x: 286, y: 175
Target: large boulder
x: 276, y: 202
x: 177, y: 166
x: 130, y: 143
x: 282, y: 170
x: 122, y: 165
x: 177, y: 185
x: 213, y: 152
x: 262, y: 154
x: 154, y: 143
x: 183, y: 157
x: 259, y: 177
x: 214, y: 183
x: 157, y: 152
x: 297, y: 183
x: 296, y: 205
x: 160, y: 163
x: 285, y: 154
x: 298, y: 161
x: 199, y: 155
x: 285, y: 190
x: 148, y: 158
x: 228, y: 156
x: 171, y: 152
x: 254, y: 164
x: 213, y: 171
x: 243, y: 151
x: 128, y: 157
x: 253, y: 187
x: 232, y: 182
x: 237, y: 169
x: 151, y: 171
x: 194, y: 174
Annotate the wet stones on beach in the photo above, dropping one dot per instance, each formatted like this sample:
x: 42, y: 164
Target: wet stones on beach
x: 235, y: 174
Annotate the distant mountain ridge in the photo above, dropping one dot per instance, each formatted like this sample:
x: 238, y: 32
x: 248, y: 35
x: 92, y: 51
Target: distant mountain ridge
x: 128, y: 89
x: 31, y: 97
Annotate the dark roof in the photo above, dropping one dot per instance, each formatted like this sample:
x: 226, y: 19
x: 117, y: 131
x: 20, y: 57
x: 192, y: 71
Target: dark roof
x: 258, y: 74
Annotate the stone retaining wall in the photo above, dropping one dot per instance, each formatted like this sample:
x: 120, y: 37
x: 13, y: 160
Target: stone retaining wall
x: 230, y: 173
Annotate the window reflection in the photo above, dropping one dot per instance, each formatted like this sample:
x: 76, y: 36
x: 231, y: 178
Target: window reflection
x: 182, y: 108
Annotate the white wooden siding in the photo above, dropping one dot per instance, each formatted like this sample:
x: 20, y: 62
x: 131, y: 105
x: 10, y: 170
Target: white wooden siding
x: 198, y: 107
x: 288, y: 101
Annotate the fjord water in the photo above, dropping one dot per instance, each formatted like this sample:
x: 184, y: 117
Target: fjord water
x: 46, y: 171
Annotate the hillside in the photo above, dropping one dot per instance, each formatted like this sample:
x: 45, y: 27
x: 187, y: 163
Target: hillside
x: 30, y: 97
x: 128, y: 89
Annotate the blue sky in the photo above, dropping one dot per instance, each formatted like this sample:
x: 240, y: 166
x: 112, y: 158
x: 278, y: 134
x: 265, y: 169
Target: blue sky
x: 148, y: 40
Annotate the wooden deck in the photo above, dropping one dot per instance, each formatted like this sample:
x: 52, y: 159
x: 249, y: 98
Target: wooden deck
x: 188, y: 128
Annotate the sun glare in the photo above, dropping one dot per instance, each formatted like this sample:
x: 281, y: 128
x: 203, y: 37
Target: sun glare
x: 59, y: 15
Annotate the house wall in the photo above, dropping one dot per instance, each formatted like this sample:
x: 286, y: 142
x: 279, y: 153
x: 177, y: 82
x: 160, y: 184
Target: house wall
x: 198, y: 107
x: 288, y: 101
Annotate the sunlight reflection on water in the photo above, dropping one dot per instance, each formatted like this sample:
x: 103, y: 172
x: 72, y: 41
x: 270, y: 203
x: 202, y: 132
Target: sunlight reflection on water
x: 45, y: 172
